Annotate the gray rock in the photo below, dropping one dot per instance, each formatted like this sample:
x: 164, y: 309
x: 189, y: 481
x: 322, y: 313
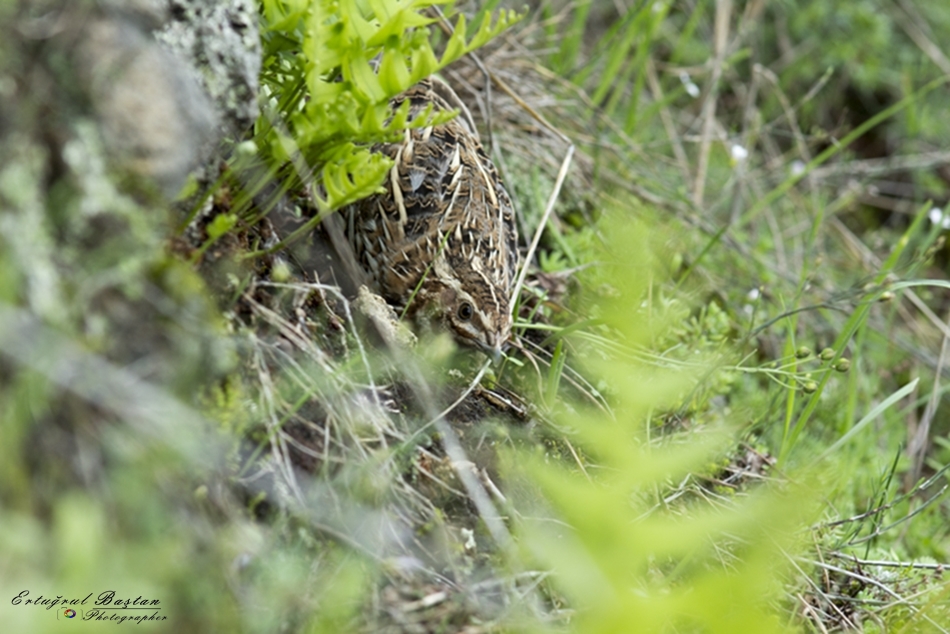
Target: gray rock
x: 221, y: 42
x: 156, y: 119
x: 169, y: 79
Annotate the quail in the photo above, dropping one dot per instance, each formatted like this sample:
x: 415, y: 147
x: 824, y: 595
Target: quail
x: 440, y: 243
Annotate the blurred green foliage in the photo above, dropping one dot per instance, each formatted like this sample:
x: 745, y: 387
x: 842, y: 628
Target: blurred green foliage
x: 627, y: 560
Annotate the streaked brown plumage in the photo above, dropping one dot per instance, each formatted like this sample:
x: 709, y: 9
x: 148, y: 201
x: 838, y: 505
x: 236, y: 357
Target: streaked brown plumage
x: 446, y: 217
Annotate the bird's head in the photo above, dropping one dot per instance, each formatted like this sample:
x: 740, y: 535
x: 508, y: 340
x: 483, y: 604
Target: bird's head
x: 476, y: 315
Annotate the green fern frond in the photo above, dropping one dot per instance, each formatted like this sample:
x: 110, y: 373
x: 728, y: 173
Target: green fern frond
x: 333, y: 66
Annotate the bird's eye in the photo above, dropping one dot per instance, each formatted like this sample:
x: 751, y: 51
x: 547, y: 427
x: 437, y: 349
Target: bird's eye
x: 465, y: 311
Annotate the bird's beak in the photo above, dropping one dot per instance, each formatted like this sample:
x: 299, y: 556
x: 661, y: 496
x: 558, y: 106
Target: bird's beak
x: 493, y: 351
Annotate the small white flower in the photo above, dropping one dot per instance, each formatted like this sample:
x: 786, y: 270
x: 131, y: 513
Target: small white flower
x: 937, y: 217
x: 691, y: 89
x: 753, y: 294
x: 798, y: 168
x: 738, y: 153
x: 246, y: 149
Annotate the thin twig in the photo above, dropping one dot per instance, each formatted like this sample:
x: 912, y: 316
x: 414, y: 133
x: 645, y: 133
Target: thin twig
x: 448, y: 410
x: 917, y: 447
x: 675, y: 141
x: 910, y: 20
x: 891, y: 564
x: 723, y: 17
x: 552, y: 199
